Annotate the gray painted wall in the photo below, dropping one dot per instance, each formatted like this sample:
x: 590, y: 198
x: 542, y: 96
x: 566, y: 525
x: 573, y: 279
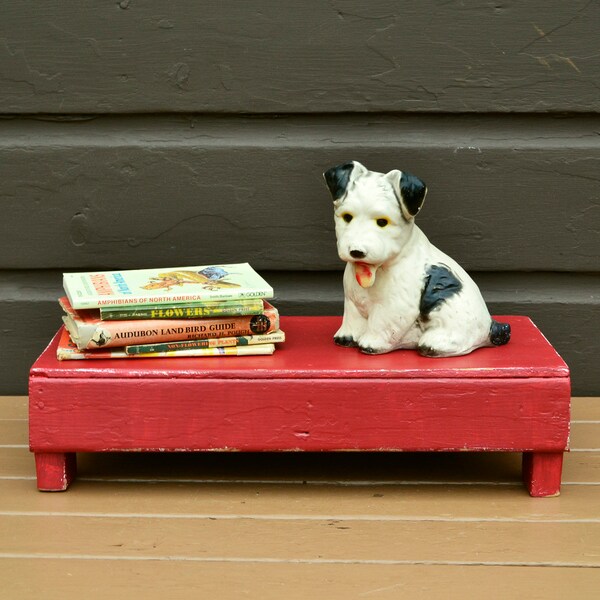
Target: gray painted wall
x: 140, y: 134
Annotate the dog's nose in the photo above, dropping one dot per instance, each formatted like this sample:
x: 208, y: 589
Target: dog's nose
x: 357, y: 254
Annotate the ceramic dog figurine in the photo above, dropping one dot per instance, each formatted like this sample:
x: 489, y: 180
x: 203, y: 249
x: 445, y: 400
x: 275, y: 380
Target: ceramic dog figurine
x: 400, y: 290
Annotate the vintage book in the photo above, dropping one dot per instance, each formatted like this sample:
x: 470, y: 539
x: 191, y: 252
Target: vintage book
x: 183, y: 311
x: 242, y: 340
x: 88, y: 331
x: 67, y: 350
x: 177, y: 285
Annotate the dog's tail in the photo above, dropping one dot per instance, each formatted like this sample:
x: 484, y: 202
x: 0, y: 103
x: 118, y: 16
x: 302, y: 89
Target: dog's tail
x: 499, y: 333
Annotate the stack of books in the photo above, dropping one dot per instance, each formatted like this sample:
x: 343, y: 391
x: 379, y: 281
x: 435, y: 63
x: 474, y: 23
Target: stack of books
x: 215, y: 310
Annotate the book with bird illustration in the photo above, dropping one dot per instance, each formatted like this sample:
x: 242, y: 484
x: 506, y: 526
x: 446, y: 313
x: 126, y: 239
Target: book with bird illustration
x: 174, y: 285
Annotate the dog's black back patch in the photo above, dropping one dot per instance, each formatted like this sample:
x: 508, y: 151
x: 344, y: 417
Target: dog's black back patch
x: 337, y: 179
x: 440, y: 284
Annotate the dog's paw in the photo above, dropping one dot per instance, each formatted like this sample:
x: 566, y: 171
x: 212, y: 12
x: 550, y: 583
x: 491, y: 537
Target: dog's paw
x: 345, y: 340
x: 370, y: 350
x: 428, y: 351
x: 373, y: 344
x: 439, y: 343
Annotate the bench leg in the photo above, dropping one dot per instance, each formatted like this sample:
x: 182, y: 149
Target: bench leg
x: 542, y: 473
x: 55, y: 470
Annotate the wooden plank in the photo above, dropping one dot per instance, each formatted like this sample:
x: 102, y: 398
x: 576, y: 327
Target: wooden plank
x: 287, y: 57
x: 582, y: 468
x: 488, y: 414
x: 59, y: 579
x: 308, y: 358
x: 31, y: 296
x: 13, y: 432
x: 14, y: 423
x: 577, y: 503
x: 336, y: 540
x: 585, y: 409
x: 77, y: 187
x: 16, y: 463
x: 13, y: 407
x: 586, y: 436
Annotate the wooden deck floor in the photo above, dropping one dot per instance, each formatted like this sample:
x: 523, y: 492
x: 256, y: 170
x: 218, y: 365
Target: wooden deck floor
x: 329, y: 526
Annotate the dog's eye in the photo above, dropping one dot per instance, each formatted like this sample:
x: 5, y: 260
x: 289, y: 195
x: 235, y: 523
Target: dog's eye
x: 347, y: 217
x: 382, y: 222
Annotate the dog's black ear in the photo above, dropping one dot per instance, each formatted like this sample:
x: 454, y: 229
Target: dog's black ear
x: 410, y: 191
x: 337, y: 179
x: 413, y: 192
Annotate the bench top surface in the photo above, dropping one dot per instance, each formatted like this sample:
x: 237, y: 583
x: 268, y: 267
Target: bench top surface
x: 309, y: 352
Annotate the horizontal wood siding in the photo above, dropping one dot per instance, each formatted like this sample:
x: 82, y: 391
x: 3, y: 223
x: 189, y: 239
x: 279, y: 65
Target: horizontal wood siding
x: 138, y: 134
x: 504, y: 193
x: 281, y: 57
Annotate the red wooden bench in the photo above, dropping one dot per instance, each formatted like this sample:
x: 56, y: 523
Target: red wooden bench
x: 310, y: 395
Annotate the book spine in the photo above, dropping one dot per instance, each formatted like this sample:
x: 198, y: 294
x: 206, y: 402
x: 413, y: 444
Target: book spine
x: 250, y: 340
x: 85, y: 303
x: 185, y: 311
x: 108, y: 334
x: 261, y: 349
x: 68, y: 353
x: 74, y: 354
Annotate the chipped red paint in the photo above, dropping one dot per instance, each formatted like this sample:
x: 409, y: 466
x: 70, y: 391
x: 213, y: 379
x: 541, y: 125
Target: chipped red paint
x: 310, y: 395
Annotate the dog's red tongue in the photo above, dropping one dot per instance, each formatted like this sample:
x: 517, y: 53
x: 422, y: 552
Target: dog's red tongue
x: 365, y: 274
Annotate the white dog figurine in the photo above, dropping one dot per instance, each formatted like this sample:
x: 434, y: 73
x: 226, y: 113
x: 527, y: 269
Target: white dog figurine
x: 400, y: 290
